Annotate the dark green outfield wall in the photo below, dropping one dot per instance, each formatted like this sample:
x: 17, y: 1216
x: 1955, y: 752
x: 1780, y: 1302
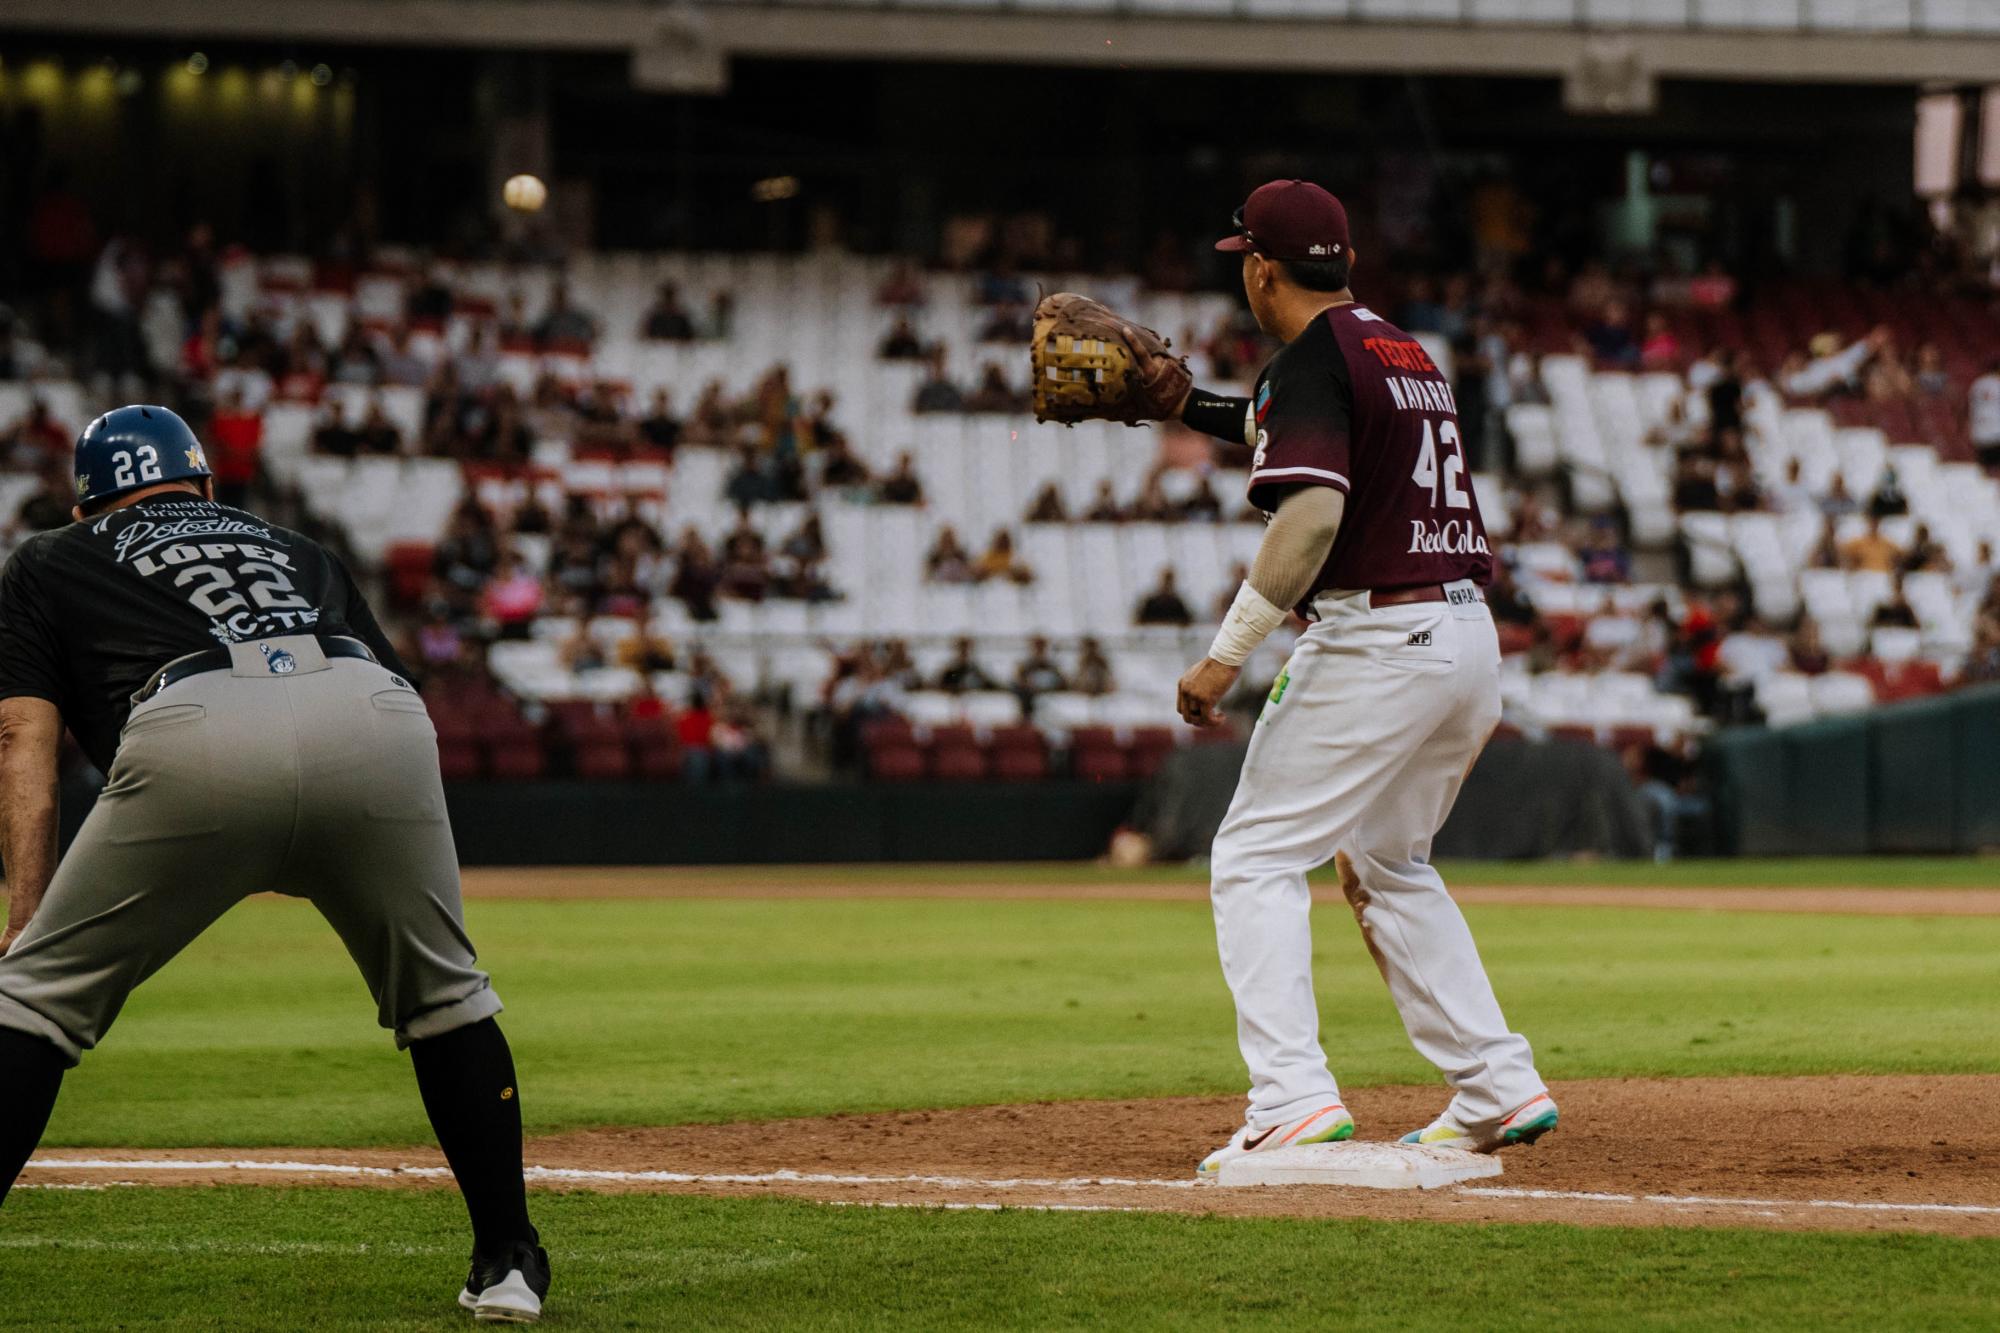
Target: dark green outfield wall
x: 1914, y: 777
x: 597, y: 823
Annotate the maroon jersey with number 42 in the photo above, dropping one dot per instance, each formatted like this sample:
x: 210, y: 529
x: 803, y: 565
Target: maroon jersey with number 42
x: 1357, y: 404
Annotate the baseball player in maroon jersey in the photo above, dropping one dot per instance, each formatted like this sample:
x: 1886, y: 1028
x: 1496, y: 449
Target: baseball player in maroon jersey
x: 1375, y: 538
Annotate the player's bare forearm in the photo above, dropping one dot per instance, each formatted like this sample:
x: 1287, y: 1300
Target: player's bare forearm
x: 30, y: 732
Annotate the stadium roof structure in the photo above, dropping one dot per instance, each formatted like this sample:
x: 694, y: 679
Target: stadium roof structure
x: 1610, y: 51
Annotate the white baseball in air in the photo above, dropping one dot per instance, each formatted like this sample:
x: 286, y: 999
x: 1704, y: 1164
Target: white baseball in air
x: 524, y: 193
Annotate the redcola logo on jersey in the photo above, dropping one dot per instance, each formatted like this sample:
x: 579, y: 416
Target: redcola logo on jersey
x: 1452, y: 537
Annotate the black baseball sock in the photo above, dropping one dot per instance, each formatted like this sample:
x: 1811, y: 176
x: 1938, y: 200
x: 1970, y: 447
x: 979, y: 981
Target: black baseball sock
x: 467, y: 1079
x: 31, y: 1072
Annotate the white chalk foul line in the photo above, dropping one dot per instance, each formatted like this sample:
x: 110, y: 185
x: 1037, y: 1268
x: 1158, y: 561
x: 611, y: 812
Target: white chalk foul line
x: 155, y: 1165
x: 151, y: 1166
x: 1702, y: 1201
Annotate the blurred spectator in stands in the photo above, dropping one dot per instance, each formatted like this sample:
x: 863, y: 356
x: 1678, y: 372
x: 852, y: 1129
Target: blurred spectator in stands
x: 512, y: 325
x: 1669, y: 784
x: 1725, y: 393
x: 740, y: 753
x: 1895, y: 611
x: 999, y: 561
x: 903, y: 286
x: 50, y: 506
x: 1792, y: 494
x: 901, y: 487
x: 21, y: 357
x: 1713, y: 288
x: 1735, y: 474
x: 1888, y: 379
x: 898, y: 665
x: 1504, y: 598
x: 948, y: 560
x: 478, y: 366
x: 37, y: 439
x: 1932, y: 379
x: 355, y: 360
x: 1093, y: 673
x: 1807, y: 650
x: 1421, y: 311
x: 1973, y: 578
x: 1037, y: 673
x: 236, y: 438
x: 1982, y: 663
x: 1888, y: 500
x: 746, y: 564
x: 696, y: 575
x: 694, y: 729
x: 303, y: 366
x: 750, y: 481
x: 1603, y: 557
x: 1152, y: 504
x: 722, y: 314
x: 1838, y: 502
x: 1695, y: 489
x: 994, y: 394
x: 117, y: 293
x: 902, y: 343
x: 712, y: 421
x: 1829, y: 365
x: 439, y: 642
x: 1047, y: 506
x: 564, y: 324
x: 840, y: 468
x: 963, y: 672
x: 576, y: 571
x: 806, y: 541
x: 1660, y: 350
x: 1007, y: 324
x: 1926, y: 554
x: 660, y: 428
x: 469, y: 551
x: 377, y: 434
x: 1163, y: 605
x: 667, y: 320
x: 581, y: 651
x: 241, y: 374
x: 1000, y: 285
x: 1983, y: 415
x: 399, y: 361
x: 937, y: 393
x: 646, y: 652
x: 331, y: 433
x: 1202, y: 505
x: 1104, y: 506
x: 1610, y: 337
x: 1871, y: 551
x: 512, y: 598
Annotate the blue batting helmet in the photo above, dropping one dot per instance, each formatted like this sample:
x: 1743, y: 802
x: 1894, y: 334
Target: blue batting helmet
x: 132, y: 447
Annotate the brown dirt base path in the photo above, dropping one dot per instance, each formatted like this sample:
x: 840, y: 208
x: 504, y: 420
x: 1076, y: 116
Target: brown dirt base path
x: 1893, y: 1153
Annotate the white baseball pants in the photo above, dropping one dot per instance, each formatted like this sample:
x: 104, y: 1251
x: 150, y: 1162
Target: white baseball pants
x: 1360, y: 753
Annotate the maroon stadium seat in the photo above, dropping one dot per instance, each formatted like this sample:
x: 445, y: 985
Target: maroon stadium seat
x: 600, y: 760
x: 957, y: 760
x: 1019, y: 754
x: 896, y: 761
x: 516, y: 758
x: 459, y: 759
x: 1094, y: 763
x: 1149, y: 749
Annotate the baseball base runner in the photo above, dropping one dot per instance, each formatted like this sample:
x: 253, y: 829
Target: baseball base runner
x: 257, y: 733
x: 1375, y: 538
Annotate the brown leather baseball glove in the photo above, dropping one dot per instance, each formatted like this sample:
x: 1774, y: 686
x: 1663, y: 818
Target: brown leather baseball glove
x: 1093, y: 364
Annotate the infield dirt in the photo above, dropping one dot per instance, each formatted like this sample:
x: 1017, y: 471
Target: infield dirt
x: 1891, y: 1153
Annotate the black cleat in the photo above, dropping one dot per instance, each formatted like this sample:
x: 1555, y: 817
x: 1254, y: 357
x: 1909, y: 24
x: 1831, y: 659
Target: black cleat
x: 508, y: 1289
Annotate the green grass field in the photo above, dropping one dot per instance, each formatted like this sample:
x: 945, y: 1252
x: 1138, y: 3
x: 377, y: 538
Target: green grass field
x: 668, y: 1011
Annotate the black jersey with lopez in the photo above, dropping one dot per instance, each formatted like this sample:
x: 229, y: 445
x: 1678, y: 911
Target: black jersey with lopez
x: 88, y: 612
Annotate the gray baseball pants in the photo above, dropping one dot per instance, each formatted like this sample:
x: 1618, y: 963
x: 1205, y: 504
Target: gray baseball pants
x: 321, y: 783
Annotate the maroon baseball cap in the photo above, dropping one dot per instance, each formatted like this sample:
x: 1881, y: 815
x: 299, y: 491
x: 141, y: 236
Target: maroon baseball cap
x: 1290, y: 220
